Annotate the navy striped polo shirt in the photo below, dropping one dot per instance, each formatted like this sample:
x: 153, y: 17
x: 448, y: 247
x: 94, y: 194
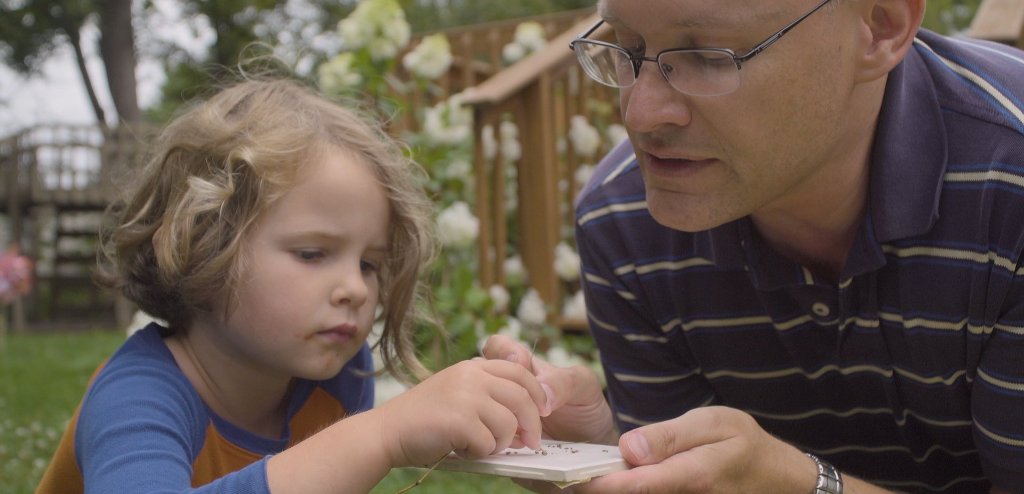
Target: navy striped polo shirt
x: 908, y: 372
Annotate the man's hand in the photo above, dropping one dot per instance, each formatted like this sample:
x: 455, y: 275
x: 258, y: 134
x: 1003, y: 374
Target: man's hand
x: 712, y: 449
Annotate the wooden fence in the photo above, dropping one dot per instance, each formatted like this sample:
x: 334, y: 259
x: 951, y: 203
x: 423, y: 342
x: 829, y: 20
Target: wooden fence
x: 57, y: 179
x: 999, y: 20
x: 540, y: 95
x: 477, y: 56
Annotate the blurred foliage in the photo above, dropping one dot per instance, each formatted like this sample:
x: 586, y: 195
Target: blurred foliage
x: 238, y: 24
x: 949, y: 16
x: 31, y: 30
x: 431, y: 15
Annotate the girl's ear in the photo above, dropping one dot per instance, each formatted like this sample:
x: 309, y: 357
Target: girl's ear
x: 890, y: 27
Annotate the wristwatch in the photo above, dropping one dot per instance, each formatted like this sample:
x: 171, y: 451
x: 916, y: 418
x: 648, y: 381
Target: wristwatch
x: 829, y: 479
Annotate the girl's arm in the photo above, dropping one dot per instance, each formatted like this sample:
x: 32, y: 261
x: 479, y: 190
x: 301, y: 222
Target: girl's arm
x: 474, y: 408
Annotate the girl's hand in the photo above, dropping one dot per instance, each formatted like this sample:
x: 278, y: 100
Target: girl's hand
x: 579, y: 411
x: 475, y: 408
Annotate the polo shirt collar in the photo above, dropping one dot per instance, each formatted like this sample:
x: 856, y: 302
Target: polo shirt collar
x: 908, y: 161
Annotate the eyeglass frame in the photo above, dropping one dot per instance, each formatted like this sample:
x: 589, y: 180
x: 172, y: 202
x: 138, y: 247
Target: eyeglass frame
x: 638, y: 60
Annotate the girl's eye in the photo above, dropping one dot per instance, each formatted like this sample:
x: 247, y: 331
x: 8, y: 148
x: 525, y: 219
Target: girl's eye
x: 309, y: 255
x: 369, y: 266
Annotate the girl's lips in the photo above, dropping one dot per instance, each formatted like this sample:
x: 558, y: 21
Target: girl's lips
x: 340, y: 334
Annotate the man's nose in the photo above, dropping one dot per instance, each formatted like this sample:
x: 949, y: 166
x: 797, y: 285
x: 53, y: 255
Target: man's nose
x: 651, y: 103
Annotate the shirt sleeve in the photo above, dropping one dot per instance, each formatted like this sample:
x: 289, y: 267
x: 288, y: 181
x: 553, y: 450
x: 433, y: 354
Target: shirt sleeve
x: 140, y: 428
x: 998, y: 394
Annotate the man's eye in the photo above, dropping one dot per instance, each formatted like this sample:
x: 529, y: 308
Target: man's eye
x: 631, y: 44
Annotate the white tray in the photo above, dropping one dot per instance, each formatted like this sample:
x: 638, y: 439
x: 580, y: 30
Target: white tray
x: 556, y: 461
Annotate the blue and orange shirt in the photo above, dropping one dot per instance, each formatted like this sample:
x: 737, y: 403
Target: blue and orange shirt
x: 142, y: 427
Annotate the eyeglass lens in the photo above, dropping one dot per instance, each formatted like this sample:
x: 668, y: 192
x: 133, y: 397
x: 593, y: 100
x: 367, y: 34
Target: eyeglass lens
x: 695, y: 72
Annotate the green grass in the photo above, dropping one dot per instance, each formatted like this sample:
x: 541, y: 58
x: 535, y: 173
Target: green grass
x: 42, y: 377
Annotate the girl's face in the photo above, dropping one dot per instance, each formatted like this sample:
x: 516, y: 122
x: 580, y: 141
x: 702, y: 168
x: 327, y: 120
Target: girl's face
x: 309, y: 287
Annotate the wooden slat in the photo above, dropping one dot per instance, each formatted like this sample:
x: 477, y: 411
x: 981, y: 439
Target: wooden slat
x: 999, y: 20
x: 523, y: 73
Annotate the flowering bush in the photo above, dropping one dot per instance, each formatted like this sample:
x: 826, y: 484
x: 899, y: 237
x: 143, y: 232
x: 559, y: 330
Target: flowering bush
x: 430, y: 59
x: 469, y: 313
x: 528, y: 38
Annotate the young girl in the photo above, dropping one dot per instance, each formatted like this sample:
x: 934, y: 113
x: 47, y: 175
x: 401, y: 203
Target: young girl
x: 270, y: 229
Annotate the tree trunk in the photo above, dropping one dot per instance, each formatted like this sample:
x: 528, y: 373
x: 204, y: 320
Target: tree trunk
x: 76, y: 44
x: 117, y: 48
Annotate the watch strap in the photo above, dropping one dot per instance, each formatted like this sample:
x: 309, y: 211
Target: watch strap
x: 830, y: 481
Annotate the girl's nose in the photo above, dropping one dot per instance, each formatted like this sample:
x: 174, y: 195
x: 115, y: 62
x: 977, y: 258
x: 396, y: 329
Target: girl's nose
x: 350, y: 288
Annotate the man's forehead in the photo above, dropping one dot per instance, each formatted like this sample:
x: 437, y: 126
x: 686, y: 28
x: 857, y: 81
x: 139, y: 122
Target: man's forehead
x: 695, y: 13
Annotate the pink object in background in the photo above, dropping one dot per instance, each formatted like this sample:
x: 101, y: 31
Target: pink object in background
x: 15, y: 276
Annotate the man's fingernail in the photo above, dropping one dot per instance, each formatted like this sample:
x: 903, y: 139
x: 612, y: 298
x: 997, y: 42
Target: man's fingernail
x: 637, y: 443
x: 511, y: 357
x: 550, y: 400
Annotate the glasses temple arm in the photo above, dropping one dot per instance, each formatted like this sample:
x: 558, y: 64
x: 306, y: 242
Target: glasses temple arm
x: 586, y: 33
x: 762, y: 46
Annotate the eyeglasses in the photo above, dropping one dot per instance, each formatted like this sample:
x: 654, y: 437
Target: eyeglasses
x: 693, y: 71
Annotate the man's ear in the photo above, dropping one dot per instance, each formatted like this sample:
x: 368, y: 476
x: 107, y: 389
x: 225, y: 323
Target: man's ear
x: 891, y: 26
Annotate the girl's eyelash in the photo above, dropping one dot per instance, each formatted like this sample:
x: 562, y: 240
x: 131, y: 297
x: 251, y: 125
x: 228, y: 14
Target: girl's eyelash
x: 309, y: 255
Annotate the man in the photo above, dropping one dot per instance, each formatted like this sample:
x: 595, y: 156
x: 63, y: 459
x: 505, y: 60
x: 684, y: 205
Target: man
x: 804, y: 272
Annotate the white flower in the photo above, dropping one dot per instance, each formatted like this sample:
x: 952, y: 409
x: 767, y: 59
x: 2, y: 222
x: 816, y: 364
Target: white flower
x: 354, y: 34
x: 583, y: 174
x: 499, y: 295
x: 567, y: 262
x: 382, y: 49
x: 513, y: 52
x: 531, y: 310
x: 585, y: 137
x: 616, y: 133
x: 528, y: 38
x: 395, y: 28
x: 378, y: 25
x: 514, y: 271
x: 431, y: 58
x: 457, y: 227
x: 489, y: 143
x: 557, y: 355
x: 513, y: 329
x: 575, y: 307
x: 530, y: 35
x: 511, y: 150
x: 448, y: 122
x: 459, y: 169
x: 336, y: 75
